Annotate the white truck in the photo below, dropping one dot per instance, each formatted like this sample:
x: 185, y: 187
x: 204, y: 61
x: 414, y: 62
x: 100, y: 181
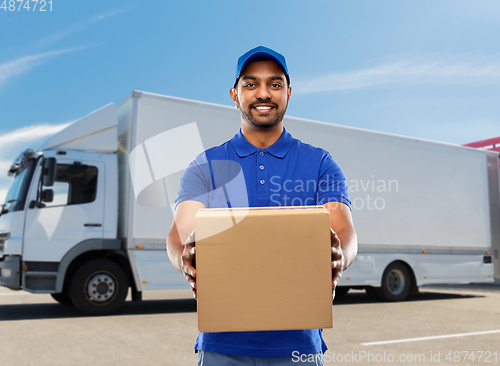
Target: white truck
x: 87, y: 214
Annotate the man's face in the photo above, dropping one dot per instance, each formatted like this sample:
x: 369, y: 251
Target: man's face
x: 262, y: 94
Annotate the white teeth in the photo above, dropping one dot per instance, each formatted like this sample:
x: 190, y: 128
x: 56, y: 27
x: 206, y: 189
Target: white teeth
x: 262, y: 108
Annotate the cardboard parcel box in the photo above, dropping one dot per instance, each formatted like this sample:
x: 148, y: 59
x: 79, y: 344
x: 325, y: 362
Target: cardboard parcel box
x: 263, y: 269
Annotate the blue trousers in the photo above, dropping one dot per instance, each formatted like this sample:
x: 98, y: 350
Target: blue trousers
x: 220, y: 359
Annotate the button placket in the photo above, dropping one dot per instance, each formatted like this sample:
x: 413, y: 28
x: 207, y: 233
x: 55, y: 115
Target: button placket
x: 262, y: 181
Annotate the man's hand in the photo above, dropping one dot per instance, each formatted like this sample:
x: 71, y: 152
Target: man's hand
x: 338, y: 261
x: 188, y: 262
x: 343, y: 240
x: 181, y: 244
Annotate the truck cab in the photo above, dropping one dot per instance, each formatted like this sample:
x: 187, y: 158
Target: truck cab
x: 58, y: 225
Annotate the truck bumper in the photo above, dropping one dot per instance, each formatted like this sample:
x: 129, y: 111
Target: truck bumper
x: 10, y: 271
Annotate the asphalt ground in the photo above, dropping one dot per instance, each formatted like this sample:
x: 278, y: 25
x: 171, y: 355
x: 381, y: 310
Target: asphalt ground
x: 441, y: 325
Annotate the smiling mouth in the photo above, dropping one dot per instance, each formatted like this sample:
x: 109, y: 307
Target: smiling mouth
x: 263, y: 108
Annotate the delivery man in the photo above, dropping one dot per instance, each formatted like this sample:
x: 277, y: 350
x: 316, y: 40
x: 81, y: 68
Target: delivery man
x: 277, y: 170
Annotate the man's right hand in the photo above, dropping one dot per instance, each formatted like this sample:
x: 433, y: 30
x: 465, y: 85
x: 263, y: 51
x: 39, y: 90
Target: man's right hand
x: 180, y: 244
x: 188, y: 262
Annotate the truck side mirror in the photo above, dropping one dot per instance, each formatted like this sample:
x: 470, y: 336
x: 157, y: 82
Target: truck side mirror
x: 49, y: 172
x: 47, y: 195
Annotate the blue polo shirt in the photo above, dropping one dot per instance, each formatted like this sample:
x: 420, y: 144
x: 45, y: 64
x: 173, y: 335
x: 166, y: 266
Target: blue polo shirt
x: 287, y: 173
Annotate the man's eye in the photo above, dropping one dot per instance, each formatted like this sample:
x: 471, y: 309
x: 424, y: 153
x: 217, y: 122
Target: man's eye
x: 276, y: 85
x: 250, y: 85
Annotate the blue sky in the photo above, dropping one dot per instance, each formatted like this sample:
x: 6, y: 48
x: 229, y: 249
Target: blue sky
x: 428, y: 69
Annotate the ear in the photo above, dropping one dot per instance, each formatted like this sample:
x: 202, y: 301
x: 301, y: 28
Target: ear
x: 289, y: 93
x: 234, y: 96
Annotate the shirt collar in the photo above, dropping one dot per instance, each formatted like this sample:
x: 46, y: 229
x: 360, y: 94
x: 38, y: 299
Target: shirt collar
x: 279, y: 149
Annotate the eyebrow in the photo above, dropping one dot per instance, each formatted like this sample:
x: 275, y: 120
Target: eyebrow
x: 250, y: 77
x: 277, y: 78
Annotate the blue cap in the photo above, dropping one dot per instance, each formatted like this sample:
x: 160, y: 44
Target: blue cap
x: 260, y: 53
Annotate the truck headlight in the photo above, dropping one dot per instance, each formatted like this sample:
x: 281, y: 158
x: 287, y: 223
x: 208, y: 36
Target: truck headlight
x: 6, y: 272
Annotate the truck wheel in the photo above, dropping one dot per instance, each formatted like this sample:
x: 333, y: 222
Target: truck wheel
x: 396, y: 283
x: 62, y: 298
x: 99, y: 287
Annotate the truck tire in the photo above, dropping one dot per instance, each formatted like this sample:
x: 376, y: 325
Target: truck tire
x: 62, y: 298
x: 99, y: 287
x: 396, y: 283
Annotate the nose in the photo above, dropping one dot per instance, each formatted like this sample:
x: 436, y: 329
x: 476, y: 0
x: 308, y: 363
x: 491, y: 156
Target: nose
x: 263, y: 92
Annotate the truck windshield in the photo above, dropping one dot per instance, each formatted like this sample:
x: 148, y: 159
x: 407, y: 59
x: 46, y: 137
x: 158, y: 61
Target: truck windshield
x: 16, y: 196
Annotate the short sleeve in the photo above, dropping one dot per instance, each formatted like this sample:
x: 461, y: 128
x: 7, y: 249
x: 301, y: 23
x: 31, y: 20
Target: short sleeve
x: 332, y: 186
x: 195, y: 182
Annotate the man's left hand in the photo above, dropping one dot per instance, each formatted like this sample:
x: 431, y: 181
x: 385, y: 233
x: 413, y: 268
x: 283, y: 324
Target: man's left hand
x: 338, y: 260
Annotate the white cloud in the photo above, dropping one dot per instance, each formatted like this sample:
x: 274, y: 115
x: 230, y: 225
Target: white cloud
x: 24, y: 64
x: 5, y: 165
x: 14, y: 142
x: 29, y: 134
x: 401, y: 74
x: 80, y: 26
